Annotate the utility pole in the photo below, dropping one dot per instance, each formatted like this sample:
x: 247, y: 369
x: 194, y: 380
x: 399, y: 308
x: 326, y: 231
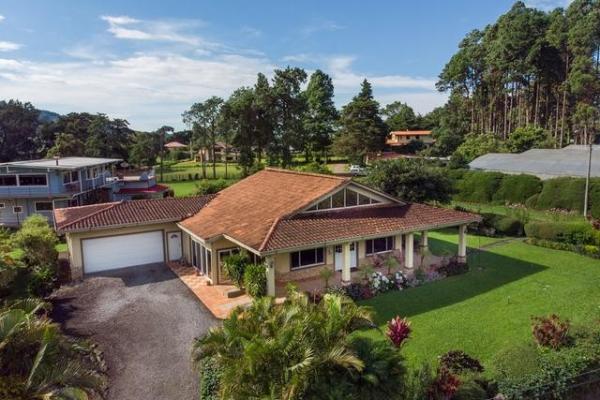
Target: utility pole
x: 587, y: 181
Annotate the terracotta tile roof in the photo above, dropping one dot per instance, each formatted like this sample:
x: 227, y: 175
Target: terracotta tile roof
x: 106, y: 215
x: 247, y: 210
x: 410, y: 133
x: 175, y: 145
x: 321, y: 227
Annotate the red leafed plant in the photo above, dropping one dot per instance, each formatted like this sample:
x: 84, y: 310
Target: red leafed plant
x: 550, y: 331
x: 446, y: 384
x: 398, y: 330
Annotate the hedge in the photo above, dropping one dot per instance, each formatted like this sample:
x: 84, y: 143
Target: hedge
x: 576, y: 233
x: 565, y: 193
x: 500, y: 224
x: 478, y: 187
x: 516, y: 189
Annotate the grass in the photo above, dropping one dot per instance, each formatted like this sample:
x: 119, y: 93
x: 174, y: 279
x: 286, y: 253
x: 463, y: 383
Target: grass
x: 181, y: 171
x: 538, y: 215
x: 490, y: 307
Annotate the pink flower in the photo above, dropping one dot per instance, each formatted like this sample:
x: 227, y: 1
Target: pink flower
x: 398, y: 330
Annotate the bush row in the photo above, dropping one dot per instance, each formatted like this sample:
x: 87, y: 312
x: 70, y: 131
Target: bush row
x: 494, y: 187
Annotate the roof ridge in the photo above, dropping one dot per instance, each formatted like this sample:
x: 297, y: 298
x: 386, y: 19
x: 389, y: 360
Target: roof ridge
x: 110, y: 207
x: 315, y: 174
x: 269, y: 234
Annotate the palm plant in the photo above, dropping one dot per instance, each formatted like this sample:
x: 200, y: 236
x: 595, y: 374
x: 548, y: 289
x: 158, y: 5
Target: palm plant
x: 37, y: 361
x: 280, y: 351
x: 326, y: 273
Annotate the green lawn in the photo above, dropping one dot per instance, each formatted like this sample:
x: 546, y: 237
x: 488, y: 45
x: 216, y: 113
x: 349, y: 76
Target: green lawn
x: 490, y: 307
x: 539, y: 215
x: 175, y: 172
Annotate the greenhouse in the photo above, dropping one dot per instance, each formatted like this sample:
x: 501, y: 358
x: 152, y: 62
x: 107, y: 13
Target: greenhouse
x: 543, y: 163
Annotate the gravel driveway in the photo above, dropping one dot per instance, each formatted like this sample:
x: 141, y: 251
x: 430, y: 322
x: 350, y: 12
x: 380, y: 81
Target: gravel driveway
x: 145, y: 320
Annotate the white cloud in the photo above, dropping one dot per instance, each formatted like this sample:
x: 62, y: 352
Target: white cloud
x: 148, y: 90
x: 321, y: 26
x: 345, y: 78
x: 547, y: 5
x: 298, y: 58
x: 2, y: 18
x: 9, y: 46
x: 125, y: 27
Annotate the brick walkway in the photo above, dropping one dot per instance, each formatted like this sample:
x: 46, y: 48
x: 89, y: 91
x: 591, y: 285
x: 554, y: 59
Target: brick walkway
x: 213, y: 297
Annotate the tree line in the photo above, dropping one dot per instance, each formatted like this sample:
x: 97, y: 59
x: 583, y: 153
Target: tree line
x: 528, y: 69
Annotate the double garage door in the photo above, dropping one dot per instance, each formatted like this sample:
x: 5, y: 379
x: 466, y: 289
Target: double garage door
x: 106, y: 253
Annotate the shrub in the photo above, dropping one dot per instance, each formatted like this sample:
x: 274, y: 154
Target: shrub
x: 315, y: 167
x: 564, y: 193
x: 458, y: 361
x: 326, y: 273
x: 42, y: 281
x: 255, y: 280
x: 454, y: 267
x: 445, y: 385
x: 209, y: 379
x: 516, y: 189
x: 398, y: 330
x: 478, y: 186
x: 509, y: 226
x: 211, y: 187
x: 37, y: 240
x: 576, y: 233
x: 550, y: 331
x: 234, y: 266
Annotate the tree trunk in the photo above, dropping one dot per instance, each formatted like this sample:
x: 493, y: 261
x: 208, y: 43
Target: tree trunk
x: 564, y: 104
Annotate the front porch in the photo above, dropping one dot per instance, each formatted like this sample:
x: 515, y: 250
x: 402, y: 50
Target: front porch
x: 316, y: 284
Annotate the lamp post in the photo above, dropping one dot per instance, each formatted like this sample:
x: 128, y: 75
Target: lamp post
x: 587, y: 181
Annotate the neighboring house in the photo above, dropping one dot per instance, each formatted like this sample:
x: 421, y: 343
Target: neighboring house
x: 175, y: 145
x: 402, y: 138
x: 39, y: 186
x: 296, y: 223
x: 136, y: 187
x: 543, y: 163
x: 231, y: 155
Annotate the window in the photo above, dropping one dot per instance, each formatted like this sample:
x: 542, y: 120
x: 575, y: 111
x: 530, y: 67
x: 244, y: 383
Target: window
x: 91, y: 173
x: 17, y: 209
x: 325, y: 204
x: 32, y: 180
x: 380, y: 245
x: 2, y: 205
x: 69, y: 177
x: 337, y: 200
x: 43, y: 206
x: 363, y: 200
x: 223, y: 254
x: 307, y: 258
x: 8, y: 180
x: 351, y: 198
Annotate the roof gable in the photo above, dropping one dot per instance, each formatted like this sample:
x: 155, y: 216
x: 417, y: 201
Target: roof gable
x: 247, y: 210
x: 351, y: 195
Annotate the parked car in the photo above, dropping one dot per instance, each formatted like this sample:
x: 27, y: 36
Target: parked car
x: 357, y: 170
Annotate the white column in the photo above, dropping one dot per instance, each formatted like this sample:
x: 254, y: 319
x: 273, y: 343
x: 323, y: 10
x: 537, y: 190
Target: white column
x: 346, y: 276
x: 462, y: 242
x: 409, y: 256
x: 398, y: 242
x: 424, y: 240
x: 270, y: 271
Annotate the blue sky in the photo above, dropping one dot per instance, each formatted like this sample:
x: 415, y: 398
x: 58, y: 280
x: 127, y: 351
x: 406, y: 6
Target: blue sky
x: 148, y: 60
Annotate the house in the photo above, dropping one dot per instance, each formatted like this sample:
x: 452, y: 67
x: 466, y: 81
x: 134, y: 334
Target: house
x: 139, y: 186
x: 570, y: 161
x: 40, y: 186
x: 231, y: 155
x: 296, y: 223
x: 402, y: 138
x: 175, y: 145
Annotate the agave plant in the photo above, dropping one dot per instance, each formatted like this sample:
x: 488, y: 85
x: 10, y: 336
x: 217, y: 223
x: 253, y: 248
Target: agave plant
x: 38, y: 361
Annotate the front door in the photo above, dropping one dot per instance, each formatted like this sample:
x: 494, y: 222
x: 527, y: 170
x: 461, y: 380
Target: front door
x: 174, y: 245
x: 353, y: 257
x: 339, y: 257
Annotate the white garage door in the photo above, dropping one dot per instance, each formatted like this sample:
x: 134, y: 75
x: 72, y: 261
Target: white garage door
x: 122, y: 251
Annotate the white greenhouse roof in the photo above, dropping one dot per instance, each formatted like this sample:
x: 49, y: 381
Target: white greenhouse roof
x: 544, y: 163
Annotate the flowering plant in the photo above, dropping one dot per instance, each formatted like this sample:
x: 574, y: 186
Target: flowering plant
x: 398, y: 330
